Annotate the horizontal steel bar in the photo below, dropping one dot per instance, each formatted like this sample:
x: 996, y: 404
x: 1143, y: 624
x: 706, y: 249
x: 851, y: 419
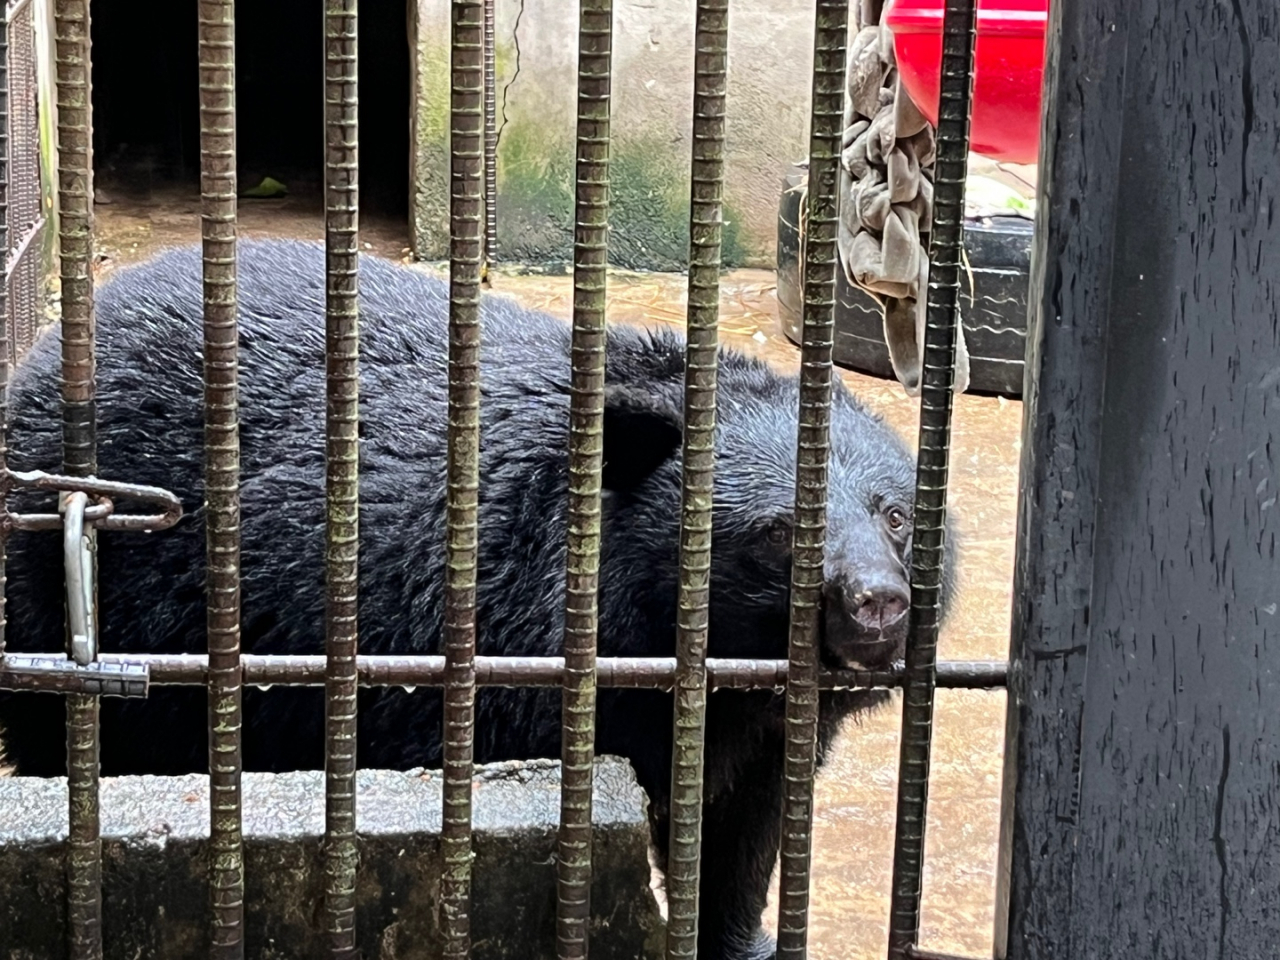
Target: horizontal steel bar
x: 55, y: 673
x: 656, y: 673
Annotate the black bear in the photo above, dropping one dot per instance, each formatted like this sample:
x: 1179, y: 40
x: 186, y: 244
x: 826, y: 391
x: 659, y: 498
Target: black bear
x: 152, y: 598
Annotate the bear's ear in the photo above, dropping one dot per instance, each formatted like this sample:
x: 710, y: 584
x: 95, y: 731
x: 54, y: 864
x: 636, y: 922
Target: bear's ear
x: 642, y: 430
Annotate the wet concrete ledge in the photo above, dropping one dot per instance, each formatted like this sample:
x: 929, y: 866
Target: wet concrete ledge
x: 155, y: 836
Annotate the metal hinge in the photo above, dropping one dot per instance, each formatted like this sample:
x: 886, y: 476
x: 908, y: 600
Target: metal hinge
x: 77, y: 516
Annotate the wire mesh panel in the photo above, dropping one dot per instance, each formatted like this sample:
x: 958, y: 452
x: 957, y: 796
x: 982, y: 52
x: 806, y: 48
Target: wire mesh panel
x: 24, y: 218
x: 24, y: 287
x: 490, y: 137
x: 6, y: 335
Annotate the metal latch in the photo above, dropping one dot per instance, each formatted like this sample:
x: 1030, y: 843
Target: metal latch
x: 77, y: 558
x: 78, y: 515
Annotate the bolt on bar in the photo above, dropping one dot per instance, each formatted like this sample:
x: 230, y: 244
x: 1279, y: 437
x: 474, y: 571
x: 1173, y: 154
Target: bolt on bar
x: 79, y: 445
x: 813, y: 450
x: 466, y: 158
x: 586, y: 427
x: 216, y: 44
x: 50, y: 673
x: 490, y: 138
x: 711, y: 47
x: 342, y: 347
x: 936, y: 400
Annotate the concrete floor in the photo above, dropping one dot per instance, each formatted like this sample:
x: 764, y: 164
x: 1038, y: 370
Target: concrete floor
x: 854, y: 816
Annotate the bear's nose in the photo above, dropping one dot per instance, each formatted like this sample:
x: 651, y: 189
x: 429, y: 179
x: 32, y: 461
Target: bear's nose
x: 880, y: 608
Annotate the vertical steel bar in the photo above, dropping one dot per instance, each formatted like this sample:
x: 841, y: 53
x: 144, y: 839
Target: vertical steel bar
x: 6, y: 336
x: 490, y: 138
x: 590, y: 260
x: 936, y: 396
x: 466, y: 159
x: 342, y: 471
x: 813, y: 449
x: 222, y: 470
x: 711, y: 47
x: 79, y: 443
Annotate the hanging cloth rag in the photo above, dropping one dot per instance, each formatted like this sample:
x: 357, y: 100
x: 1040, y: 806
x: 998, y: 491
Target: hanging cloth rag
x: 886, y: 199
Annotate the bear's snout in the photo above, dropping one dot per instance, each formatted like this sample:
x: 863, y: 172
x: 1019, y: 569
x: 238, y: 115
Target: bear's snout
x: 866, y: 622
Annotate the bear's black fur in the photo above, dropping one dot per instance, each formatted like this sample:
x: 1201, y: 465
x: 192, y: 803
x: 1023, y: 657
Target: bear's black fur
x: 152, y: 596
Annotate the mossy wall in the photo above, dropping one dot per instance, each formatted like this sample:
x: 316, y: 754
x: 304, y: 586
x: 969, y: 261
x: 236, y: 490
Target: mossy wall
x: 429, y: 164
x: 652, y: 116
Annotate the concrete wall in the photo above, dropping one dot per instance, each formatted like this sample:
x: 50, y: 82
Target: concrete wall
x: 769, y: 60
x: 155, y: 861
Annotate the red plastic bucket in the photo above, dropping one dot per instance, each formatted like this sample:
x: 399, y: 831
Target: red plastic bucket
x: 1009, y: 67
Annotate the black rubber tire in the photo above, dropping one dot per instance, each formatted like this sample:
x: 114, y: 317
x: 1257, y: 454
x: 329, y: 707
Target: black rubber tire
x: 994, y: 313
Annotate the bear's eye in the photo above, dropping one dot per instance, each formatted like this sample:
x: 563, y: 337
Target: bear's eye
x: 896, y: 519
x: 779, y: 534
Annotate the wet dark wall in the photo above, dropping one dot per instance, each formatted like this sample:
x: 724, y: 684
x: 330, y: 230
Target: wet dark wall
x: 146, y: 95
x: 1142, y: 805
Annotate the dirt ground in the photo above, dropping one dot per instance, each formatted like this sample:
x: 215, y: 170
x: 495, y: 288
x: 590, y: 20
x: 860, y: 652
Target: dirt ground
x: 855, y: 794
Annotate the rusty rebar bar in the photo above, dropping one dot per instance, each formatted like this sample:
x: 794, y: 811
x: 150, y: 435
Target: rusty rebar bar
x: 711, y: 48
x: 648, y: 673
x: 928, y: 538
x: 586, y: 426
x: 813, y: 449
x: 75, y: 235
x: 216, y: 46
x: 342, y: 347
x: 79, y: 443
x: 466, y: 160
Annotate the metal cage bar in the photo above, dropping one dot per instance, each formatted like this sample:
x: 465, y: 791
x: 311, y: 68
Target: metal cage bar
x: 813, y: 449
x: 711, y: 49
x: 466, y: 160
x: 639, y: 673
x: 586, y: 428
x: 690, y: 675
x: 79, y: 445
x: 928, y: 538
x: 216, y: 46
x: 342, y: 348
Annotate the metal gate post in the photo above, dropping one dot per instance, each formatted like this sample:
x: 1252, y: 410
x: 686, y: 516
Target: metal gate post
x: 1144, y: 731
